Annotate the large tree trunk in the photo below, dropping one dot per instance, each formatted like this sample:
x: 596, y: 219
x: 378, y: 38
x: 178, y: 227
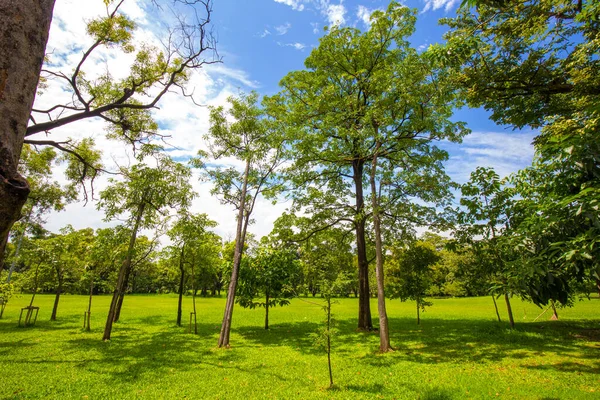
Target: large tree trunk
x: 240, y: 237
x: 24, y: 27
x: 384, y: 333
x: 58, y: 292
x: 364, y: 298
x: 181, y: 280
x: 120, y: 286
x: 509, y: 309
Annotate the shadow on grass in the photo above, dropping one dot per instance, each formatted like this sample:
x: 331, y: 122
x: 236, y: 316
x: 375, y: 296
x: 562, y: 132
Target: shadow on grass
x: 443, y: 341
x: 151, y: 347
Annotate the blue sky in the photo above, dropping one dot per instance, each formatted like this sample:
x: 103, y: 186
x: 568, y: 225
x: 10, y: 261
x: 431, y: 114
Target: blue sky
x: 260, y: 41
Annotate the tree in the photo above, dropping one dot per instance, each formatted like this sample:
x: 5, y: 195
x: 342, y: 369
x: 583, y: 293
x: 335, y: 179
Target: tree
x: 534, y: 63
x: 366, y: 100
x: 486, y: 223
x: 188, y: 234
x: 410, y: 273
x: 144, y: 197
x: 123, y: 104
x: 274, y: 272
x: 22, y: 48
x: 45, y: 193
x: 251, y: 139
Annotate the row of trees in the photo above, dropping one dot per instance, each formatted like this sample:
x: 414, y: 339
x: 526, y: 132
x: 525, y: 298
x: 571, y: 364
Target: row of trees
x: 351, y: 141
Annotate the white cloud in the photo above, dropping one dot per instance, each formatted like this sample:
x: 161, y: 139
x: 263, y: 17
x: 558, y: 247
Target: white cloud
x: 506, y: 152
x: 335, y: 14
x: 264, y: 33
x: 295, y: 4
x: 437, y: 4
x: 315, y: 26
x: 283, y: 29
x: 184, y: 122
x: 364, y: 14
x: 295, y: 45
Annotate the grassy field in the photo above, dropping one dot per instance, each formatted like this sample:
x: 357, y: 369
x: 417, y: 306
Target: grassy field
x: 458, y: 352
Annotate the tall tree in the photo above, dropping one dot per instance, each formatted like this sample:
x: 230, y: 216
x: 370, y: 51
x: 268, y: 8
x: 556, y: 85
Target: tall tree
x: 144, y: 198
x: 366, y: 106
x: 249, y: 137
x: 123, y: 104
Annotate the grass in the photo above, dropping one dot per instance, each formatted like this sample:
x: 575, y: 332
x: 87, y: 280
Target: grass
x: 458, y: 352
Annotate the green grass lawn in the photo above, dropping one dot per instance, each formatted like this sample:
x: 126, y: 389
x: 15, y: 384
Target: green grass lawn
x: 458, y: 352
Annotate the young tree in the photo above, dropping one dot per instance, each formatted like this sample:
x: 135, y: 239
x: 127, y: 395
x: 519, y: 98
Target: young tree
x: 274, y: 272
x: 144, y: 198
x: 124, y: 104
x: 251, y: 139
x: 410, y: 273
x: 485, y: 224
x: 188, y: 235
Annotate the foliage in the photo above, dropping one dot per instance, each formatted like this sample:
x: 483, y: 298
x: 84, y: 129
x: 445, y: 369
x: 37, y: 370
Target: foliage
x: 272, y: 272
x: 534, y: 63
x: 410, y: 272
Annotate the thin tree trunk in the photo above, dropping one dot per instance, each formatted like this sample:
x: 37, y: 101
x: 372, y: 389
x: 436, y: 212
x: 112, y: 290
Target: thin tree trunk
x: 35, y: 284
x: 496, y: 307
x: 58, y: 292
x: 181, y: 281
x: 89, y: 310
x: 329, y: 340
x: 122, y: 293
x: 418, y: 312
x: 240, y: 237
x: 509, y: 309
x: 364, y: 298
x: 267, y: 311
x: 24, y: 27
x: 119, y: 287
x: 384, y: 333
x: 194, y: 298
x: 554, y: 313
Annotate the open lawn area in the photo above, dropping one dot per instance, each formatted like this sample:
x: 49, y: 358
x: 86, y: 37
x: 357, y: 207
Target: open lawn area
x: 459, y: 351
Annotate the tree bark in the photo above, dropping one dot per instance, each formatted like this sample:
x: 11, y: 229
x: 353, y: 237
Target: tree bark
x: 58, y: 292
x: 364, y: 298
x: 240, y: 237
x: 496, y: 307
x: 384, y: 333
x: 89, y: 310
x: 509, y: 309
x: 329, y: 340
x: 554, y: 312
x: 418, y: 312
x: 181, y: 281
x: 24, y: 27
x: 120, y: 286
